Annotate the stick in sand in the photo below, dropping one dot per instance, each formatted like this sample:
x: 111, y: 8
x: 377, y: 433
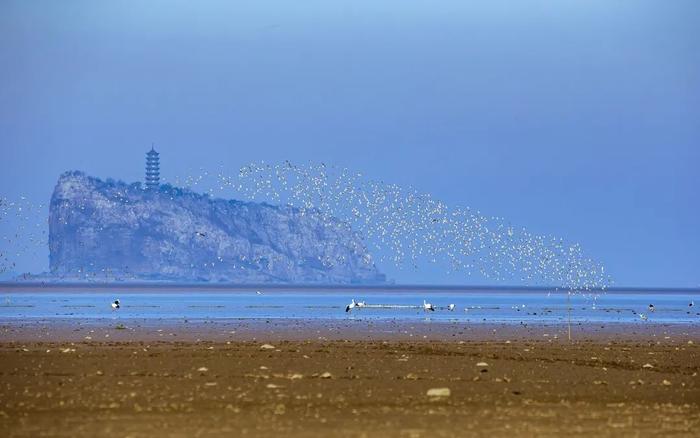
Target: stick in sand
x: 568, y: 311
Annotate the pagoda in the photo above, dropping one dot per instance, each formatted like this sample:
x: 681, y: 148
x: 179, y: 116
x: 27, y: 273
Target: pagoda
x: 152, y: 169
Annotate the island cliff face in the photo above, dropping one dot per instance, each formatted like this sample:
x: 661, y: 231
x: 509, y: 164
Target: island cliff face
x: 107, y: 229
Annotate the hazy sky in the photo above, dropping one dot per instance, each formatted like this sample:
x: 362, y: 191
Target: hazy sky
x: 578, y: 118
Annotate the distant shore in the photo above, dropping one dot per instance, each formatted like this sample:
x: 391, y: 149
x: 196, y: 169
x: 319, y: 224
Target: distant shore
x: 80, y: 286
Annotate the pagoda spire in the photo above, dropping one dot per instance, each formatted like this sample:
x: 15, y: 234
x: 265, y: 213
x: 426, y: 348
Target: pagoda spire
x: 152, y: 169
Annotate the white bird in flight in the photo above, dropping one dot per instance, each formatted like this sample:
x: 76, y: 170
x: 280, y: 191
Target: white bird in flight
x: 427, y: 306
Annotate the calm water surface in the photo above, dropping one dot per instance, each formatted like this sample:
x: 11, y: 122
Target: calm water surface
x: 471, y: 306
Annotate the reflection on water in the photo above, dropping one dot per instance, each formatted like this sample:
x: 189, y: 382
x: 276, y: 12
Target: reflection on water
x: 475, y: 307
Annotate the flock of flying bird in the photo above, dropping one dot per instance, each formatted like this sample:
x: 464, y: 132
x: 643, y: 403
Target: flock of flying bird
x: 408, y: 228
x: 25, y: 231
x: 399, y: 225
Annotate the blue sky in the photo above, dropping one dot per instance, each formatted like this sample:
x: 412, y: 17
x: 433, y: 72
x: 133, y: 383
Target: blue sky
x: 575, y: 118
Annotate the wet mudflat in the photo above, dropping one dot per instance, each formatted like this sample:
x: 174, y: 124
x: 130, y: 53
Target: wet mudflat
x: 541, y: 387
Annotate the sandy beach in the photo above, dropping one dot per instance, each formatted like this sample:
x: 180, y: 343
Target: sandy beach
x: 268, y: 378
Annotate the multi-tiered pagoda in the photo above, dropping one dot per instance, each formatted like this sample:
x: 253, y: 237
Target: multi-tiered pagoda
x: 152, y: 169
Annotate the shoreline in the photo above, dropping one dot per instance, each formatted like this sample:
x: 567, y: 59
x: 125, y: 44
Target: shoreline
x: 298, y: 329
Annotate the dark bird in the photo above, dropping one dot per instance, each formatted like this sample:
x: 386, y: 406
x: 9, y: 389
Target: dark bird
x: 116, y: 304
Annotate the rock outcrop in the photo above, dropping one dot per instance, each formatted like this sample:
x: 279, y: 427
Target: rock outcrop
x: 112, y: 230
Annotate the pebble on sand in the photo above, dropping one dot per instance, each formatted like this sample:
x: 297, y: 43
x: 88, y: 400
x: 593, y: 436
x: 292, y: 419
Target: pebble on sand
x: 326, y: 375
x: 482, y: 364
x: 438, y: 392
x: 267, y: 347
x: 647, y: 366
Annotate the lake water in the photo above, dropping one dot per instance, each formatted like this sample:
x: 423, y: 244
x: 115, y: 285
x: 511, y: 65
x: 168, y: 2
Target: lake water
x: 470, y: 306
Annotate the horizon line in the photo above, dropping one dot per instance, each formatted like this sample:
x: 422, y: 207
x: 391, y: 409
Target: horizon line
x: 395, y: 287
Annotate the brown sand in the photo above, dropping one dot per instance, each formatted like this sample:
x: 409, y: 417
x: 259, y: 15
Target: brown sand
x: 148, y: 386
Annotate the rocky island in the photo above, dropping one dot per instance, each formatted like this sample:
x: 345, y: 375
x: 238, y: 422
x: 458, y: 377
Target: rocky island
x: 110, y: 229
